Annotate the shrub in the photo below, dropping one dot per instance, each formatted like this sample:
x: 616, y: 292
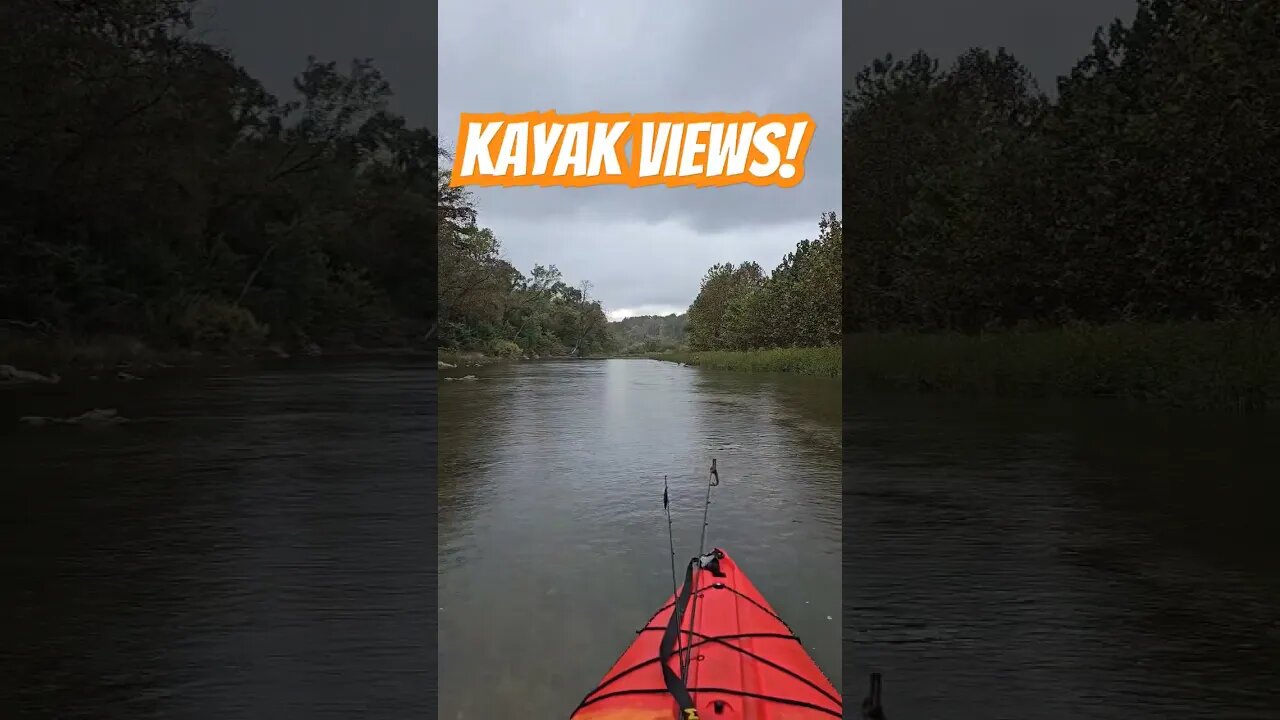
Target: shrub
x: 217, y: 324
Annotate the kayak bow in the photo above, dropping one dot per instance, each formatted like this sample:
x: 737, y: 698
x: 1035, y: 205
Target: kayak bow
x: 725, y: 656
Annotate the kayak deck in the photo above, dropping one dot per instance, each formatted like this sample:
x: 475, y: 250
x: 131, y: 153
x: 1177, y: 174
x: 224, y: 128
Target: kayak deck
x: 744, y: 662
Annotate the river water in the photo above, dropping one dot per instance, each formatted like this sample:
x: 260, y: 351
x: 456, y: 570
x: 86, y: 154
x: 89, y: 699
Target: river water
x: 1052, y: 560
x: 553, y: 540
x: 250, y: 546
x: 258, y: 544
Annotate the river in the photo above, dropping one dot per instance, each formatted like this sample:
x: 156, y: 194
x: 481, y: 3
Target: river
x: 1063, y: 560
x: 257, y: 544
x: 553, y: 540
x: 251, y: 545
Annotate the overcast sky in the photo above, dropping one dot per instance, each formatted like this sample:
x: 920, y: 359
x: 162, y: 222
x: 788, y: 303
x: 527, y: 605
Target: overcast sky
x: 645, y: 249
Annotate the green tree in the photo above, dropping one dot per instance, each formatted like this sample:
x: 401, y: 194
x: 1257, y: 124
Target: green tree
x: 797, y: 305
x: 721, y: 286
x: 157, y: 190
x: 650, y: 333
x: 1145, y: 191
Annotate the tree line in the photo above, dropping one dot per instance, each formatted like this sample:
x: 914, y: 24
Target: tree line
x: 154, y: 189
x: 1148, y: 189
x: 487, y: 305
x: 740, y: 307
x: 650, y: 333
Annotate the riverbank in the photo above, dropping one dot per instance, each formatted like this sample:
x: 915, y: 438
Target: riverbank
x: 57, y: 358
x: 449, y: 359
x: 456, y: 358
x: 1227, y: 365
x: 824, y: 362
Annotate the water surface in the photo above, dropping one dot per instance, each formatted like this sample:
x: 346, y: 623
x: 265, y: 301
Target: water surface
x: 1063, y: 560
x: 553, y: 540
x: 251, y: 545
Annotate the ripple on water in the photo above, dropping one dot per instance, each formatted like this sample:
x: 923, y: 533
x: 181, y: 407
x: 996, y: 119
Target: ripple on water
x: 564, y: 550
x: 1030, y: 561
x: 256, y: 552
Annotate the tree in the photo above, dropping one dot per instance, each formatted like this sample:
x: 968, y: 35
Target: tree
x: 721, y: 285
x: 157, y: 190
x: 797, y: 305
x: 1146, y: 191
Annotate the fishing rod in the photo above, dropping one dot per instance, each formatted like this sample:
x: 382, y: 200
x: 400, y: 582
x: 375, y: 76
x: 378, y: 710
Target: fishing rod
x: 713, y: 479
x: 671, y: 542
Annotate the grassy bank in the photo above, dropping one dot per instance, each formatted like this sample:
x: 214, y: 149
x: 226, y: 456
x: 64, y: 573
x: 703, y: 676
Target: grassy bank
x: 68, y: 356
x: 1202, y: 365
x: 471, y: 358
x: 61, y: 353
x: 465, y: 359
x: 802, y: 361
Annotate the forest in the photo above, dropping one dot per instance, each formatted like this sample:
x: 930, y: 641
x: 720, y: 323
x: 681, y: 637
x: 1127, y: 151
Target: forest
x: 155, y: 190
x: 741, y: 309
x: 489, y: 307
x: 649, y: 333
x: 797, y: 305
x: 1146, y: 190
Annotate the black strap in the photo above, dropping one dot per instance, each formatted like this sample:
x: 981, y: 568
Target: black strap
x: 702, y: 640
x: 735, y: 591
x: 724, y: 640
x: 724, y: 691
x: 674, y: 684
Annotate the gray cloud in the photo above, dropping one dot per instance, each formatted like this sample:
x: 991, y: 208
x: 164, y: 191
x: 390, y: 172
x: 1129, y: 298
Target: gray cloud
x: 646, y: 248
x: 666, y: 55
x: 643, y: 249
x: 642, y: 266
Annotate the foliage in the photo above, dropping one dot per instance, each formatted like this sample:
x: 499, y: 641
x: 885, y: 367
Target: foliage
x: 1223, y: 364
x: 1147, y: 191
x: 504, y: 349
x: 154, y: 189
x: 143, y: 168
x: 487, y: 305
x: 797, y: 305
x: 649, y: 333
x: 820, y: 361
x: 212, y: 323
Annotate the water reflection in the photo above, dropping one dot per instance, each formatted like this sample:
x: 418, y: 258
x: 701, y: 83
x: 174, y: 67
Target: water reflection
x: 249, y: 546
x: 1063, y: 560
x: 556, y: 548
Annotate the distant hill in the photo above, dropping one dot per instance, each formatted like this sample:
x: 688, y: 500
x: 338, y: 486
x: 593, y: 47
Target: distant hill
x: 650, y: 333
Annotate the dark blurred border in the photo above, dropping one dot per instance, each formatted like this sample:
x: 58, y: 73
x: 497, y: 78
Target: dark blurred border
x: 430, y: 81
x: 851, y: 673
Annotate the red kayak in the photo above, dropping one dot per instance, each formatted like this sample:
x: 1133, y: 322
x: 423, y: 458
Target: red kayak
x: 715, y: 651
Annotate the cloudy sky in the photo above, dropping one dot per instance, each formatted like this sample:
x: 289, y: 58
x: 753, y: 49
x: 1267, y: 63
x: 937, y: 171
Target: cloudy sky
x: 645, y: 249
